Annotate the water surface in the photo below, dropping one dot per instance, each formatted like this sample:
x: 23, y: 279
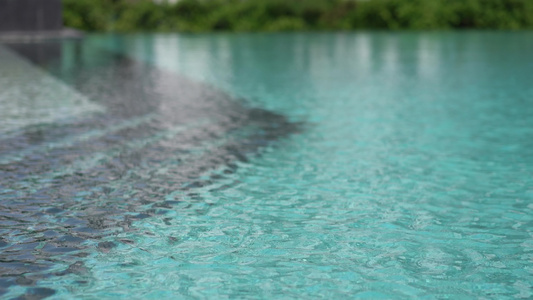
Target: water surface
x: 309, y: 165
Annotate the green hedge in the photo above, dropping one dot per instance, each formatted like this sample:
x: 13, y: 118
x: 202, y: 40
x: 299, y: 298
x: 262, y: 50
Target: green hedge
x: 285, y: 15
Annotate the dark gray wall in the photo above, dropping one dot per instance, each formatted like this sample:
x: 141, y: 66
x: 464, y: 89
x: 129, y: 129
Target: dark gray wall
x: 30, y: 15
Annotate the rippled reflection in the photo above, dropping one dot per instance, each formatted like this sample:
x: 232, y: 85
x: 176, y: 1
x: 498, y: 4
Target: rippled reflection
x: 411, y: 179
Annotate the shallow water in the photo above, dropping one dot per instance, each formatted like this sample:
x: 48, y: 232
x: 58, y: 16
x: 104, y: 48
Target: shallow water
x: 311, y: 165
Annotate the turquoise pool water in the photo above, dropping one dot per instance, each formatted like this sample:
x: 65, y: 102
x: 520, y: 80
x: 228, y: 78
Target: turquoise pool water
x: 323, y: 165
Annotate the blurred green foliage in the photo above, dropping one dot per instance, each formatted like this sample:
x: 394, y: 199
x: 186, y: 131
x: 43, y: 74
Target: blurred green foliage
x: 286, y: 15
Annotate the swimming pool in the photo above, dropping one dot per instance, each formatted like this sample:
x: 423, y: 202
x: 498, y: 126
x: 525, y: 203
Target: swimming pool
x: 305, y: 165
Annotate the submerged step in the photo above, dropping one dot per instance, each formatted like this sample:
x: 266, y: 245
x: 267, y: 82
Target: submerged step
x: 31, y: 96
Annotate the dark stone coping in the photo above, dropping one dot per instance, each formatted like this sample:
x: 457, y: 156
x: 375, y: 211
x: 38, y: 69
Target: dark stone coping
x: 33, y: 36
